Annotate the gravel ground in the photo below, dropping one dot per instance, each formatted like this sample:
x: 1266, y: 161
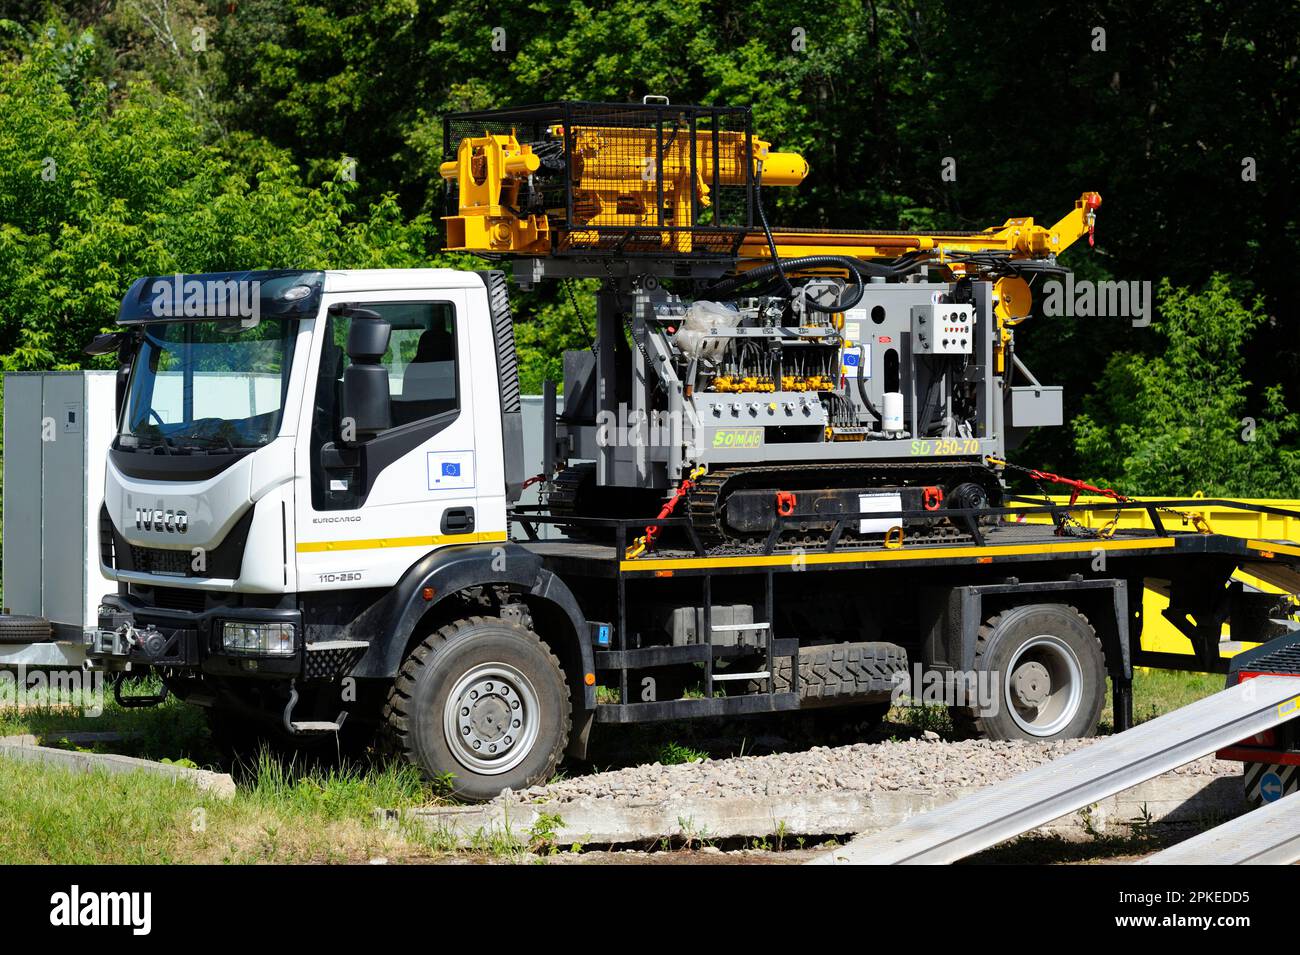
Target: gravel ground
x: 916, y: 765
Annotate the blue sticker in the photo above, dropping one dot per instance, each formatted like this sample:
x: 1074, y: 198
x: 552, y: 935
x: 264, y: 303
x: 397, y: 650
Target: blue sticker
x: 851, y: 359
x: 450, y: 470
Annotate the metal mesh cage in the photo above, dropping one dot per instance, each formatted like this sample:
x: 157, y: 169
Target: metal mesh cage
x: 631, y: 179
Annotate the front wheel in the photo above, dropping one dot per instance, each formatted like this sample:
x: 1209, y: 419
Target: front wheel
x: 1045, y: 674
x: 483, y: 705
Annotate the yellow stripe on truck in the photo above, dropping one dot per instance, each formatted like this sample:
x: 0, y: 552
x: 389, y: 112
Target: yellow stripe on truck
x: 436, y: 540
x: 871, y: 557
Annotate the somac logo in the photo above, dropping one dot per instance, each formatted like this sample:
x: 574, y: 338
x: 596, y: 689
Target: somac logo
x: 151, y: 519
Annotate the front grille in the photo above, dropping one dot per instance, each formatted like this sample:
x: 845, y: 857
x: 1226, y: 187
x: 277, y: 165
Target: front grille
x: 155, y: 560
x: 106, y: 556
x: 174, y: 598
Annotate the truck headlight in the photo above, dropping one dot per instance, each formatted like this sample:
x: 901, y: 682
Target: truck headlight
x: 261, y: 639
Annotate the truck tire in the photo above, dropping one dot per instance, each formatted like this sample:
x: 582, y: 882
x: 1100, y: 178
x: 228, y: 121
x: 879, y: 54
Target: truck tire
x: 483, y: 705
x: 16, y: 628
x: 1048, y: 676
x: 839, y: 674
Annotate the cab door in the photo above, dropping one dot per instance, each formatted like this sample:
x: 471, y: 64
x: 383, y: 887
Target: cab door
x: 367, y: 508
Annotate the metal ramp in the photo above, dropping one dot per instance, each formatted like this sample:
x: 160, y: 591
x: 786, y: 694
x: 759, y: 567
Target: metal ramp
x: 1058, y: 788
x: 1269, y: 835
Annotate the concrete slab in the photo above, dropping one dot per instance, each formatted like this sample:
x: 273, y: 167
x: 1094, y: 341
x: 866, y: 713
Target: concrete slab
x: 597, y: 822
x: 19, y: 748
x: 79, y: 738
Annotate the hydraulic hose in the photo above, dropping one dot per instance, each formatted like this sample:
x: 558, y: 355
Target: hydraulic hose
x: 778, y: 267
x: 767, y: 231
x: 862, y: 384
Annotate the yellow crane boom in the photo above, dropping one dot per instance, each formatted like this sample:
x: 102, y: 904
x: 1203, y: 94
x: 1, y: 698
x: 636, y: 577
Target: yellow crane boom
x: 1021, y: 238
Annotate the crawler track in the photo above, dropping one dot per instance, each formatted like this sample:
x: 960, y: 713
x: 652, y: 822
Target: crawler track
x: 708, y: 499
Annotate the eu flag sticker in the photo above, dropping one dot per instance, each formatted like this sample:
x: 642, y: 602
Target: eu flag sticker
x: 451, y: 470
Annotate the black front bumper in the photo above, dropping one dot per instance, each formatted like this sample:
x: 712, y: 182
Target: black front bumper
x: 190, y: 639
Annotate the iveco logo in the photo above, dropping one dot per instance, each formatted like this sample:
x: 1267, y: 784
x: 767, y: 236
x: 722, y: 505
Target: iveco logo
x: 173, y: 522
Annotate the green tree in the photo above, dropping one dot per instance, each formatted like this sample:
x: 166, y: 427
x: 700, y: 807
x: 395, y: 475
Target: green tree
x: 1182, y: 420
x: 98, y: 189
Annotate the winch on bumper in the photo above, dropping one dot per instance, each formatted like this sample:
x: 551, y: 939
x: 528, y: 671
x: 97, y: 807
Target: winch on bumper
x: 218, y: 641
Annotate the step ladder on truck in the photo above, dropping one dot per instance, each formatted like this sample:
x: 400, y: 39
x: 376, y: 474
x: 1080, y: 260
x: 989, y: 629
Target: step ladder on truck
x: 768, y: 486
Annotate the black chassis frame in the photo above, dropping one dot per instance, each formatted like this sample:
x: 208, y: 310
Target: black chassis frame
x: 557, y: 583
x: 1199, y: 566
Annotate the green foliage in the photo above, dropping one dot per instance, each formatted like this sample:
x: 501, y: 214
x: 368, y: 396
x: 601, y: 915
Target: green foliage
x: 171, y: 158
x: 98, y: 190
x: 552, y: 326
x: 673, y: 753
x: 1182, y: 419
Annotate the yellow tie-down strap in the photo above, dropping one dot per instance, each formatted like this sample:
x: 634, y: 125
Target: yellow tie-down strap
x: 436, y: 540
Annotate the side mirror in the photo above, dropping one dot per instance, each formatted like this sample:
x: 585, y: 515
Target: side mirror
x: 105, y: 344
x: 122, y: 342
x: 367, y: 336
x: 366, y: 398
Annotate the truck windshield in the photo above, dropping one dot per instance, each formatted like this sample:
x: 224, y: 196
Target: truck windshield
x: 209, y: 385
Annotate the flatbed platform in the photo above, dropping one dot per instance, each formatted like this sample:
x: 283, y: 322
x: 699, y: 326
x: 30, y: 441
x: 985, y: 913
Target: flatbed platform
x: 1007, y: 543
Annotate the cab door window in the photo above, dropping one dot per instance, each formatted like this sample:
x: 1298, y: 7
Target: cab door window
x: 422, y: 382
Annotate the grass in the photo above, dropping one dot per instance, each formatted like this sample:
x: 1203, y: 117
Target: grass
x: 54, y: 815
x: 170, y: 731
x: 673, y: 753
x: 1157, y: 692
x: 282, y: 811
x: 299, y: 813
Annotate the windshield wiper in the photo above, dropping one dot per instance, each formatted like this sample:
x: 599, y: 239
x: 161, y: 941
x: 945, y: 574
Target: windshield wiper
x: 149, y: 447
x: 211, y: 438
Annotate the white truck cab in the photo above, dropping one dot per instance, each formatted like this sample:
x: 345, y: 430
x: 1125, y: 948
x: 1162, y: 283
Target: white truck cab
x: 238, y: 427
x: 297, y: 453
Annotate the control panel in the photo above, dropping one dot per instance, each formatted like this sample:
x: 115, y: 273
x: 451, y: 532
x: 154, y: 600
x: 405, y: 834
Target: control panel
x: 943, y: 329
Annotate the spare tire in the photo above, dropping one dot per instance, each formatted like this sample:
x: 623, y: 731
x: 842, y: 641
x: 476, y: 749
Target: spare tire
x: 16, y: 628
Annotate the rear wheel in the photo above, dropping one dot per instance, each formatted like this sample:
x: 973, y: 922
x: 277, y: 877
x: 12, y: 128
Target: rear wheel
x: 483, y: 705
x: 1046, y: 674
